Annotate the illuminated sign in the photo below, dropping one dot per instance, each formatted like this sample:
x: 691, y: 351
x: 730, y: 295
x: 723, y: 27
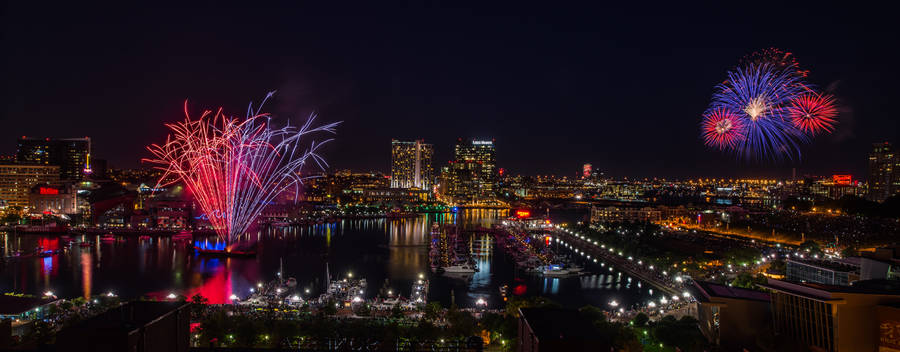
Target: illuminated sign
x: 523, y: 213
x: 482, y: 142
x: 843, y: 180
x: 48, y: 190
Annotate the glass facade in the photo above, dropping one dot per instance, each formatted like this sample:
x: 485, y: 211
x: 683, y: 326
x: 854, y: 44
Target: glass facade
x: 804, y: 319
x: 72, y: 155
x: 411, y: 165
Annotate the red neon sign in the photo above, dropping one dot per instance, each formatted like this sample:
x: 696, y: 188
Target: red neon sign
x: 523, y: 213
x: 48, y: 190
x: 842, y: 179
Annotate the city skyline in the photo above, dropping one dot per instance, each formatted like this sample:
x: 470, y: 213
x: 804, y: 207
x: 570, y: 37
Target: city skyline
x: 626, y: 100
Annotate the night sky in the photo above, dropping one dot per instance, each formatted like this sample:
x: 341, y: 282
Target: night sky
x: 555, y: 86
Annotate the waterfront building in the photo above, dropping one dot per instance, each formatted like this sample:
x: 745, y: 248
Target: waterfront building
x: 620, y: 214
x: 473, y: 177
x: 884, y: 172
x: 831, y: 318
x: 16, y: 181
x: 731, y: 317
x: 411, y: 164
x: 343, y: 187
x: 72, y: 155
x: 53, y: 199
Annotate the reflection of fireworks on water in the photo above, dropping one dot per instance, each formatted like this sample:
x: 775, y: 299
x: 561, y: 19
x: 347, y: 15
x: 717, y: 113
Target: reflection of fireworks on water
x: 813, y: 113
x: 235, y: 167
x: 722, y: 129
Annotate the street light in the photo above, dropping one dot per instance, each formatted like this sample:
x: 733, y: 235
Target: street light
x: 171, y: 295
x: 233, y: 297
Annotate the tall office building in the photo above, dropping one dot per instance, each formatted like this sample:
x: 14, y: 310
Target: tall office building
x: 884, y: 172
x: 72, y: 155
x: 16, y: 181
x: 473, y: 171
x: 411, y: 165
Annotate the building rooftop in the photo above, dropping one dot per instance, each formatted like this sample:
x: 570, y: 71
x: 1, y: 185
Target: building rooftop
x: 824, y: 292
x: 709, y: 290
x: 826, y: 264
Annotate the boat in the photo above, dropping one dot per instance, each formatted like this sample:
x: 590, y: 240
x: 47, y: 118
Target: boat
x: 463, y: 268
x: 556, y: 270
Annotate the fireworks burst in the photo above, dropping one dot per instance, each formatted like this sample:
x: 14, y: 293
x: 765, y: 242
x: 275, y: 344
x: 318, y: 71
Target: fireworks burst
x: 760, y: 95
x: 813, y: 113
x: 722, y: 129
x: 765, y: 110
x: 235, y: 167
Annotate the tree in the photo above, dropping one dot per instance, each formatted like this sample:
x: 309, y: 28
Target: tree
x: 745, y: 280
x: 849, y: 252
x: 462, y: 324
x: 640, y: 320
x: 593, y: 313
x: 812, y: 247
x: 198, y: 305
x: 433, y: 311
x: 684, y: 333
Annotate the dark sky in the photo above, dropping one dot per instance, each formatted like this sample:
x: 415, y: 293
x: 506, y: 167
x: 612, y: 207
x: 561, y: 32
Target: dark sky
x: 556, y: 85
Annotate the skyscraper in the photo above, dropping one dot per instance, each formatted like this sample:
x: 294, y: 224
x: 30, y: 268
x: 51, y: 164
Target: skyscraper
x: 472, y: 170
x: 884, y: 172
x: 72, y: 155
x: 411, y: 164
x: 16, y: 181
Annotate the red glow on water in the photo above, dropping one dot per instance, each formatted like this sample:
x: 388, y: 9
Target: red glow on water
x: 520, y: 290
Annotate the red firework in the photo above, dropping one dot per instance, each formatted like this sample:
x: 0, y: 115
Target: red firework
x: 813, y: 113
x: 722, y: 128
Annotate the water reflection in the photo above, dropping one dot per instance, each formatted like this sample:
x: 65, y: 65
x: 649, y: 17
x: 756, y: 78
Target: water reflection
x: 390, y: 252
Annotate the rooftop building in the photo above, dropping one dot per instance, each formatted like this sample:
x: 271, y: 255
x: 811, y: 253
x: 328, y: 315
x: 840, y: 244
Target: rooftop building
x: 831, y: 318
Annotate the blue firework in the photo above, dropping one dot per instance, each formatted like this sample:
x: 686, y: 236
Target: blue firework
x: 761, y: 96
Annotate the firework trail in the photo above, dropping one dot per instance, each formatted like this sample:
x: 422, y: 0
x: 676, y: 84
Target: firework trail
x: 235, y: 167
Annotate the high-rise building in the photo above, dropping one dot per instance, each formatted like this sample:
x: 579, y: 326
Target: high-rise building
x: 472, y: 171
x: 586, y: 171
x: 884, y: 172
x: 16, y: 181
x: 72, y: 155
x: 411, y: 165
